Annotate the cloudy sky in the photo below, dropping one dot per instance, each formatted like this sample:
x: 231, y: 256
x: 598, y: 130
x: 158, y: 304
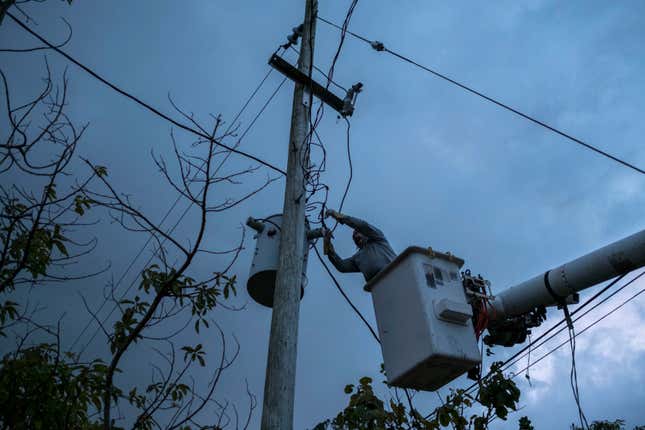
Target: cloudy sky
x: 433, y: 165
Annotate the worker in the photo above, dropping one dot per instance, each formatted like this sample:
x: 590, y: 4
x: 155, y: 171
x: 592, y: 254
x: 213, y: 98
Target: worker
x: 374, y: 251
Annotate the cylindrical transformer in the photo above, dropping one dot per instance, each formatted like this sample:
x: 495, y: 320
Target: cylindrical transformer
x: 266, y: 260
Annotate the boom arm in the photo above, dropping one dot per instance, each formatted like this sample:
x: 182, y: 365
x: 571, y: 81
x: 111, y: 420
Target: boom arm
x: 598, y: 266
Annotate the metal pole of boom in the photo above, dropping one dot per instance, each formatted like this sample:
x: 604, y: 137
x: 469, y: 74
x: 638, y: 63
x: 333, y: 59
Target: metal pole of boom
x: 277, y: 408
x: 615, y: 259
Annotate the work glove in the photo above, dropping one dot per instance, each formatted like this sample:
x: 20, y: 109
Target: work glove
x: 328, y: 247
x: 336, y: 215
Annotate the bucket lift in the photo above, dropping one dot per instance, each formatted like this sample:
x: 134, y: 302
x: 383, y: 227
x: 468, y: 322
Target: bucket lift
x: 430, y: 315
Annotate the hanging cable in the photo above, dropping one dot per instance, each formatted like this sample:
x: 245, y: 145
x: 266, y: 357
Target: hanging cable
x: 379, y: 46
x: 351, y: 168
x: 360, y: 315
x: 568, y: 341
x: 347, y: 299
x: 313, y: 177
x: 573, y: 377
x: 470, y: 389
x: 556, y: 325
x: 586, y: 328
x: 604, y: 300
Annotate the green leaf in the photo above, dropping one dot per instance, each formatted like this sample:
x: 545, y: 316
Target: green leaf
x: 81, y: 203
x: 365, y: 380
x: 61, y: 248
x: 444, y: 419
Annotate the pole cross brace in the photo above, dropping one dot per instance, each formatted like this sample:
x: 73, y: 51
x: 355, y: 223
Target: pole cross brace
x: 342, y: 106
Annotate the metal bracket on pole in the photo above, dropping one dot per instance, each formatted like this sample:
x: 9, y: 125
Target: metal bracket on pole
x: 345, y: 106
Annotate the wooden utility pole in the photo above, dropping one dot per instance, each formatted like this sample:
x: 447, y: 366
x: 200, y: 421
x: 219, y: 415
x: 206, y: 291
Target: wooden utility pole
x: 279, y: 386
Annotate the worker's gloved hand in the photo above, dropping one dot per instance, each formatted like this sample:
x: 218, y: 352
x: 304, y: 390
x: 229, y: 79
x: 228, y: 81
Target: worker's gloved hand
x: 335, y: 215
x: 328, y: 247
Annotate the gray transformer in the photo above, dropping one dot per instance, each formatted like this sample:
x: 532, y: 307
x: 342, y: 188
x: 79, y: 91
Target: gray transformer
x: 266, y: 260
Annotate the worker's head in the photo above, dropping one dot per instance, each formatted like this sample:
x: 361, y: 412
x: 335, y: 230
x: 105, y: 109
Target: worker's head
x: 359, y: 239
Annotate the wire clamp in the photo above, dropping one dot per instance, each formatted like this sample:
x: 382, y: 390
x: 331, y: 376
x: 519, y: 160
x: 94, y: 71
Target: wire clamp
x: 378, y: 46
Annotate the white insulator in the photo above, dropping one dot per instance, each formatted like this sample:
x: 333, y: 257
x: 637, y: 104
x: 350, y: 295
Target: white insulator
x: 598, y: 266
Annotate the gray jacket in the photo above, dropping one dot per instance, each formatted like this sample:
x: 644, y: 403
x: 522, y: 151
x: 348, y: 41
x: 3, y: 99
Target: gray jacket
x: 371, y: 258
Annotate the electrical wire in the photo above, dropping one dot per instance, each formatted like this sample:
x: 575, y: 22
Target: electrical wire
x: 511, y: 362
x: 351, y: 172
x: 347, y: 299
x: 313, y: 176
x: 316, y: 175
x: 172, y: 207
x: 380, y: 47
x: 555, y: 326
x: 569, y: 340
x: 572, y: 336
x: 140, y: 102
x: 183, y: 215
x: 573, y: 377
x: 470, y: 389
x: 583, y: 330
x: 360, y: 315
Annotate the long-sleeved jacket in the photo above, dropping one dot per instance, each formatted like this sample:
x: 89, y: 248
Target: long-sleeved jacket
x: 372, y: 257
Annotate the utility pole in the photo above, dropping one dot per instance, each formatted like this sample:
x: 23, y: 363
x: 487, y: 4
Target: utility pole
x: 279, y: 385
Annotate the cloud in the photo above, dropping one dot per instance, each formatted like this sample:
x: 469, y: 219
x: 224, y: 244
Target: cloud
x: 542, y: 377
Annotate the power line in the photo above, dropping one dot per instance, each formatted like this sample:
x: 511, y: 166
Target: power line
x: 571, y: 339
x: 573, y: 377
x: 584, y: 329
x: 351, y: 168
x: 579, y: 317
x: 380, y: 47
x: 556, y: 325
x: 172, y: 207
x: 347, y: 299
x: 474, y: 385
x: 271, y: 97
x: 514, y: 375
x: 314, y: 179
x: 140, y: 102
x: 360, y: 315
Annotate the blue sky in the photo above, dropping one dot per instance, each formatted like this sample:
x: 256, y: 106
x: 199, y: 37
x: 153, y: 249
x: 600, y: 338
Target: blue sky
x: 433, y: 165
